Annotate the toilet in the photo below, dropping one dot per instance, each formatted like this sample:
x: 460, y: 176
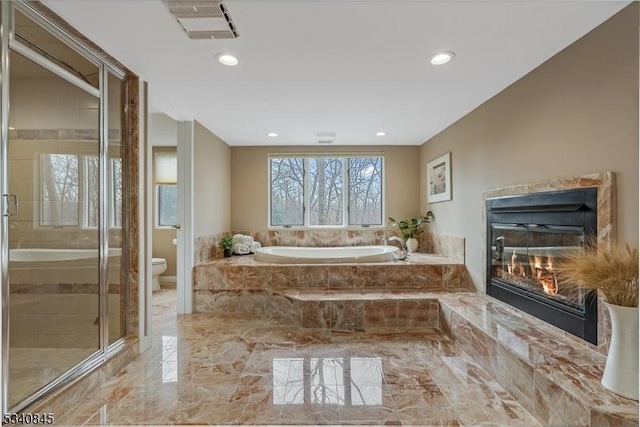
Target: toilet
x: 159, y: 266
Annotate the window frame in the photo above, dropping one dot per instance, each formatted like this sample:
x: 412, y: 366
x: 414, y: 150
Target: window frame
x: 344, y: 158
x: 157, y: 224
x: 83, y: 193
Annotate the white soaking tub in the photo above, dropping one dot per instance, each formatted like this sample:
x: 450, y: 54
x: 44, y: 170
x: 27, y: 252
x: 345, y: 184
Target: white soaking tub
x: 312, y: 255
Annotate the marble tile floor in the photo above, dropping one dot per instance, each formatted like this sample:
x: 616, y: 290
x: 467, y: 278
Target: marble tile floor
x: 238, y: 369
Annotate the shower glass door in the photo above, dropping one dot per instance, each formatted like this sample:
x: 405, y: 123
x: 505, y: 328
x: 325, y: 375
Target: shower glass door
x: 53, y: 237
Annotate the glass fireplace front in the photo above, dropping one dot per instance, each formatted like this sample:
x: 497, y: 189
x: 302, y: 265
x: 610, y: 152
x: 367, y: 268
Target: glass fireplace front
x: 525, y: 256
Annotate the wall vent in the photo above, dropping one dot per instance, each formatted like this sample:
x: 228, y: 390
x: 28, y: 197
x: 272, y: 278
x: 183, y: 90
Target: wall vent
x: 203, y: 19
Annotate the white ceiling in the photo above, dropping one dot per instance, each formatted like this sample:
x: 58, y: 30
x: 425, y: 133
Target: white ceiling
x: 350, y: 67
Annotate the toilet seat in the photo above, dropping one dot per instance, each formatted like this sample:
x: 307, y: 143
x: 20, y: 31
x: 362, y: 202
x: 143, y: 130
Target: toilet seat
x: 156, y: 261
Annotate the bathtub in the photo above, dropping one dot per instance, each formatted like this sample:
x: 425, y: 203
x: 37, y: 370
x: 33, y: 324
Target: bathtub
x: 56, y: 255
x: 311, y: 255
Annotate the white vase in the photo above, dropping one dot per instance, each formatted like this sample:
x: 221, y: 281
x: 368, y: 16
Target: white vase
x: 621, y: 370
x: 412, y: 244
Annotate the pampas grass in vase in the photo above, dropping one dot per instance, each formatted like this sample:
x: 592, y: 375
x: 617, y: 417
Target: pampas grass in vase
x: 613, y: 272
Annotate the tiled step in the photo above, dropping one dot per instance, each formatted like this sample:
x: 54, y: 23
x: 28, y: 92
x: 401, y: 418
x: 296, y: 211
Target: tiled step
x: 355, y: 310
x: 554, y: 375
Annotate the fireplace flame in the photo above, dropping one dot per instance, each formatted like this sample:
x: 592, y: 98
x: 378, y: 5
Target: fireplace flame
x: 544, y: 274
x: 539, y: 268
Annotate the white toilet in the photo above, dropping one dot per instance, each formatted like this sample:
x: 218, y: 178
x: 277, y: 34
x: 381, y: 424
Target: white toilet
x: 159, y: 266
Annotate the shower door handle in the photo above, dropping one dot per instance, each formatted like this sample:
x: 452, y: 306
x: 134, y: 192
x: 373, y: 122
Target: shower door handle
x: 11, y: 205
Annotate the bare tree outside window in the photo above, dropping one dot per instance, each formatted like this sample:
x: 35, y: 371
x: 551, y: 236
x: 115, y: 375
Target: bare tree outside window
x: 320, y: 179
x: 365, y: 190
x: 325, y: 177
x: 117, y: 192
x: 64, y: 177
x: 92, y: 180
x: 59, y: 175
x: 287, y: 191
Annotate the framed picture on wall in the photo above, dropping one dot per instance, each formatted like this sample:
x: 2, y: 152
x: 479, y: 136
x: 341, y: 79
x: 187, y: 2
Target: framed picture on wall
x: 439, y: 179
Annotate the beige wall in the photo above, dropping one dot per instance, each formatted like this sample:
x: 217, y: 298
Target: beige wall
x: 212, y: 172
x: 162, y: 238
x: 250, y: 176
x: 163, y: 130
x: 575, y: 114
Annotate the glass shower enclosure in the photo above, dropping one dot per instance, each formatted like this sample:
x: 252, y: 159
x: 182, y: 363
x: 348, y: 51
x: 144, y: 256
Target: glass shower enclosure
x: 62, y: 157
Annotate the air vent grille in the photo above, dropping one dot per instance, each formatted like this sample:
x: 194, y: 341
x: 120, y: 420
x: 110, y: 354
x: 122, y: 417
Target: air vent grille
x: 325, y: 137
x: 216, y: 34
x: 203, y: 19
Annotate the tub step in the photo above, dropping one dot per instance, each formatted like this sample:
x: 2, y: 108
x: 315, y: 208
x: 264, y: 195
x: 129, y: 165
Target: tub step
x: 342, y: 310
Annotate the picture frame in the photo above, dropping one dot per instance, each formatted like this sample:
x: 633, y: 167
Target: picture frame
x: 439, y: 179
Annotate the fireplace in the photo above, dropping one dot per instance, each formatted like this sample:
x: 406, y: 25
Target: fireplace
x: 526, y: 236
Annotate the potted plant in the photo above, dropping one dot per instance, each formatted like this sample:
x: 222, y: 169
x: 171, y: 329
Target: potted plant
x: 226, y: 243
x: 411, y: 228
x: 612, y: 272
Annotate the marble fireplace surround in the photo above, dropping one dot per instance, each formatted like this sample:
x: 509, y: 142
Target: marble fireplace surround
x: 606, y: 231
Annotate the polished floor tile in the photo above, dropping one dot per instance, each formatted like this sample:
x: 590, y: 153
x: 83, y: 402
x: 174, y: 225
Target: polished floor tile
x: 238, y: 369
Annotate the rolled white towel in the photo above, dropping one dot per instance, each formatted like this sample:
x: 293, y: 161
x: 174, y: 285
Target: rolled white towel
x: 255, y: 246
x: 242, y: 239
x: 240, y: 249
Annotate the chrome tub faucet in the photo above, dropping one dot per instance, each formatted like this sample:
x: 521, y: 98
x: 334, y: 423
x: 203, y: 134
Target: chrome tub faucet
x: 403, y: 246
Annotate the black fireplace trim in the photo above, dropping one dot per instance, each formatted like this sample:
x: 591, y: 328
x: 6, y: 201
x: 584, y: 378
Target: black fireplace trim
x: 575, y: 208
x: 580, y: 325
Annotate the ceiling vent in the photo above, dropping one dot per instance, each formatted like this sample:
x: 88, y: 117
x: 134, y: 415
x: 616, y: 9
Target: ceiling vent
x: 203, y: 19
x: 325, y: 137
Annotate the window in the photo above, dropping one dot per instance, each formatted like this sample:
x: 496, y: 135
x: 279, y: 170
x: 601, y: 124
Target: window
x: 70, y: 189
x: 166, y: 174
x: 167, y: 205
x: 59, y: 190
x: 326, y: 191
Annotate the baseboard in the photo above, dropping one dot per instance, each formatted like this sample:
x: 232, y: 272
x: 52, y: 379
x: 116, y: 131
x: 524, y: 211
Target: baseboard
x: 168, y: 282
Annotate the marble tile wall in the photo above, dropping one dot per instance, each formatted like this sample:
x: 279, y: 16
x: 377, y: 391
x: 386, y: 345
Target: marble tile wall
x: 422, y: 271
x: 446, y: 246
x: 606, y: 234
x: 555, y: 378
x: 131, y: 158
x: 206, y: 248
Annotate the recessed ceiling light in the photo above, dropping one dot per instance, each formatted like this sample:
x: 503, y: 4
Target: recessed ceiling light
x: 381, y: 133
x: 272, y: 134
x: 441, y: 58
x: 228, y: 60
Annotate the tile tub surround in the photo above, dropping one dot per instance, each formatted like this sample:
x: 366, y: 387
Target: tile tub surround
x: 242, y: 285
x: 606, y: 233
x: 206, y: 247
x: 451, y: 247
x: 555, y: 377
